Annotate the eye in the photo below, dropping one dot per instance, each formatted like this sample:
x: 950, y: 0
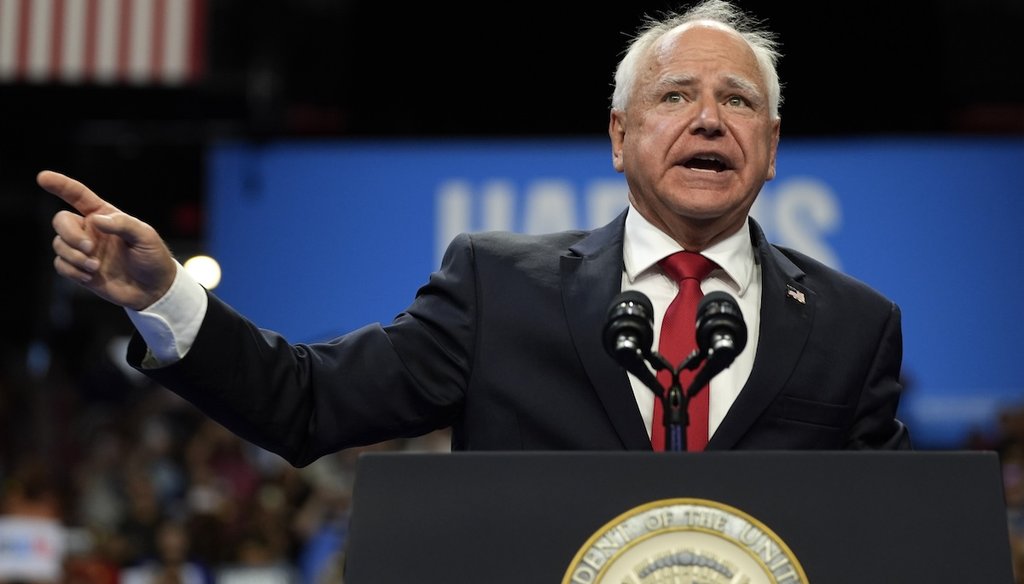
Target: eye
x: 674, y: 97
x: 737, y: 101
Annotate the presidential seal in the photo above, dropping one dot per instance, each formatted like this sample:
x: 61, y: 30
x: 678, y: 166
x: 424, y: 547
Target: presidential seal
x: 684, y: 541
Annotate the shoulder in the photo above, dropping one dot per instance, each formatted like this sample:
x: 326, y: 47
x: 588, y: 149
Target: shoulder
x: 503, y: 256
x: 830, y: 282
x: 508, y: 245
x: 508, y: 241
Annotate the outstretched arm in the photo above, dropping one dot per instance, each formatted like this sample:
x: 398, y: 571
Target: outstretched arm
x: 115, y: 255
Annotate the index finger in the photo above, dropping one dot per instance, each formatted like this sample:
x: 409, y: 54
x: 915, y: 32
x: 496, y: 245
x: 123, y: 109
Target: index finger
x: 72, y: 192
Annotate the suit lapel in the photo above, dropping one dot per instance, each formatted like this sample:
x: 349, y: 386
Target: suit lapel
x: 787, y: 311
x: 591, y: 277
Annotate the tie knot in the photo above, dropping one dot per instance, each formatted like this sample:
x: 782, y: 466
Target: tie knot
x: 687, y: 264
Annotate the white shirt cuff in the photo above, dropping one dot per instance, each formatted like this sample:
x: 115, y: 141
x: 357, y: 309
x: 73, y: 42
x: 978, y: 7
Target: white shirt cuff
x: 170, y: 325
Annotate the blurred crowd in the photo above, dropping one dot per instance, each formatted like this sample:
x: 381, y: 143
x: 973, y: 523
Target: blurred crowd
x: 106, y: 478
x: 1008, y: 442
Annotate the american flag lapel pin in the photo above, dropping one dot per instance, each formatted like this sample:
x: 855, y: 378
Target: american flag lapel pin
x: 796, y: 294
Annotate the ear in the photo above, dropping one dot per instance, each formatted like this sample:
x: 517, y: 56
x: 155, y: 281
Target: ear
x: 776, y: 125
x: 617, y: 133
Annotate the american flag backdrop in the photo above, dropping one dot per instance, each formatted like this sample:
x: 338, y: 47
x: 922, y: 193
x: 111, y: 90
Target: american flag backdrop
x: 135, y: 42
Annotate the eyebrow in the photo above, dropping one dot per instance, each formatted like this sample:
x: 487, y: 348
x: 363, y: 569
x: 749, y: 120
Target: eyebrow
x: 731, y: 81
x: 743, y: 84
x: 758, y: 98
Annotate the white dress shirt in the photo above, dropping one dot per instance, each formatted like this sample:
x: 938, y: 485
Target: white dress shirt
x: 170, y: 325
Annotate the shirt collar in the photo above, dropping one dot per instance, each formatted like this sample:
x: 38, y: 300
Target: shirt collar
x: 644, y: 245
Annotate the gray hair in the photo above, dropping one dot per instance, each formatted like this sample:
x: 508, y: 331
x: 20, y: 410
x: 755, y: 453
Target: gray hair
x: 761, y: 41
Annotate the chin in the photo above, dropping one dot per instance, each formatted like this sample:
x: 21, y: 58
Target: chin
x: 703, y: 210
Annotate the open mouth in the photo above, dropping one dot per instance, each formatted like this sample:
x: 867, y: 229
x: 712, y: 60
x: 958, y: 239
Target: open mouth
x: 708, y: 162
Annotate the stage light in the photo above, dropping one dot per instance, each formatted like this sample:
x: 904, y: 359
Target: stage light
x: 204, y: 269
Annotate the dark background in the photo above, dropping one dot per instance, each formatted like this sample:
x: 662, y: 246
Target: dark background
x: 323, y: 69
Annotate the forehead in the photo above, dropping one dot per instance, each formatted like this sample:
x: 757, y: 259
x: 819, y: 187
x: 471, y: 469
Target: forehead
x: 706, y: 43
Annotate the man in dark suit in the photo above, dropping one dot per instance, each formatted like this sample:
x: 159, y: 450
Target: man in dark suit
x: 503, y: 343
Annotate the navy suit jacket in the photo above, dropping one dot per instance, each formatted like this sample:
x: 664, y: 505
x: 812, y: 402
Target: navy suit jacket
x: 504, y: 345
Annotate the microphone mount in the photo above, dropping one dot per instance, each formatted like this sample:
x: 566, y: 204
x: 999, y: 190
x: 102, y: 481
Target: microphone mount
x: 628, y: 335
x: 675, y: 401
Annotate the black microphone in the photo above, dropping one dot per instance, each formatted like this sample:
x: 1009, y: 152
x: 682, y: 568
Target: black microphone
x: 721, y: 332
x: 721, y: 335
x: 629, y: 329
x: 629, y: 334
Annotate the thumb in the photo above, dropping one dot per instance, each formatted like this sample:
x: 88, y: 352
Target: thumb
x: 126, y: 227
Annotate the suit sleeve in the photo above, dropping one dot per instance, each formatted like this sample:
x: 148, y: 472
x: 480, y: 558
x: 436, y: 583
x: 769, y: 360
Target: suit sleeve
x: 303, y: 401
x: 876, y: 425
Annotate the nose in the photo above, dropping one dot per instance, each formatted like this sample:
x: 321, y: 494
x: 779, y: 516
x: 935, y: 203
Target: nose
x: 708, y: 119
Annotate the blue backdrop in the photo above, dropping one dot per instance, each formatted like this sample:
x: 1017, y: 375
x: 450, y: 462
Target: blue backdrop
x: 317, y: 238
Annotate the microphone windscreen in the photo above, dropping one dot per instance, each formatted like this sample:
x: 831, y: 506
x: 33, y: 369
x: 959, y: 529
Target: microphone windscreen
x: 630, y: 314
x: 719, y: 313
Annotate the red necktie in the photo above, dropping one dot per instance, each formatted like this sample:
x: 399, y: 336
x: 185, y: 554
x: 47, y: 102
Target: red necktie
x: 678, y: 340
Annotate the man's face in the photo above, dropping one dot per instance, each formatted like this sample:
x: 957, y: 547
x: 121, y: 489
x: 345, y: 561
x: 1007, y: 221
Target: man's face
x: 696, y: 141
